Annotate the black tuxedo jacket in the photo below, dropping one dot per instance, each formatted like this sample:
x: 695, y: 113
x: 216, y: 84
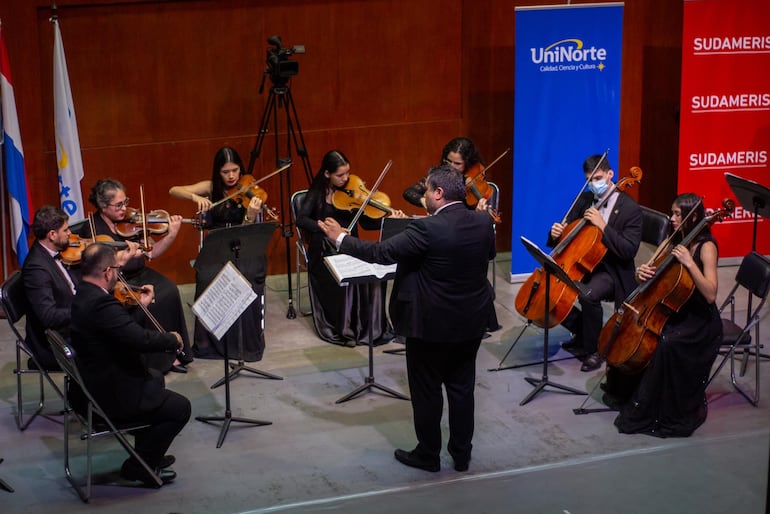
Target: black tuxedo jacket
x: 622, y: 237
x: 49, y: 298
x: 441, y: 292
x: 109, y: 344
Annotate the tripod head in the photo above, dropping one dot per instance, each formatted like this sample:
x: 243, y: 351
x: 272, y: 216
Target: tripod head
x: 279, y: 66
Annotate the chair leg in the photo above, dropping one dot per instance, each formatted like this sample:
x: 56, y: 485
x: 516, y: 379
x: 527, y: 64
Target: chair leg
x: 4, y: 484
x: 19, y: 371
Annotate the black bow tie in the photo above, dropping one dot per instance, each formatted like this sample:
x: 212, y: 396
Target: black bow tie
x: 57, y: 257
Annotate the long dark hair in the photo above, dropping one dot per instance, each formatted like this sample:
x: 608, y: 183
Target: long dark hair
x: 223, y: 156
x: 316, y: 195
x: 686, y: 203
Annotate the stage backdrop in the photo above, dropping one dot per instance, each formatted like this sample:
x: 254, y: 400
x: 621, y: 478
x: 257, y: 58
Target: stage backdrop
x: 725, y: 120
x: 567, y: 107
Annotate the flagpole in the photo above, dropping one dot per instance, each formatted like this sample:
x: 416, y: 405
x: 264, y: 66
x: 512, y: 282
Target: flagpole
x: 3, y: 211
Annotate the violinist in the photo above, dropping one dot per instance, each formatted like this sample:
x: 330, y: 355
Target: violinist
x: 620, y: 221
x: 459, y: 154
x: 341, y: 315
x: 226, y: 171
x: 668, y: 398
x: 108, y: 196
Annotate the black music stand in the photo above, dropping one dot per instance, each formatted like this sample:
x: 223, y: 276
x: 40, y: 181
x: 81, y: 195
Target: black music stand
x: 247, y: 242
x: 551, y: 268
x: 226, y: 244
x: 753, y: 197
x: 369, y: 381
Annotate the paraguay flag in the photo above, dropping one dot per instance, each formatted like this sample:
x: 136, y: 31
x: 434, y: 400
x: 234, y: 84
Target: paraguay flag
x: 15, y: 175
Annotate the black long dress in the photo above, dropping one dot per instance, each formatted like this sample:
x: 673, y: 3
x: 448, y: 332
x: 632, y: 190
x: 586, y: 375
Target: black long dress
x: 167, y: 308
x: 206, y: 346
x: 341, y: 315
x: 670, y: 400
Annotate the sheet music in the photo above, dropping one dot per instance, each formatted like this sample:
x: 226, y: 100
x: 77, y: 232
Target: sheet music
x: 224, y: 300
x: 346, y: 267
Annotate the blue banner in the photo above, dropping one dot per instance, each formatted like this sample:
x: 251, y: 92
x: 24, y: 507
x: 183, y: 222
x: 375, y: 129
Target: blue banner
x: 567, y: 107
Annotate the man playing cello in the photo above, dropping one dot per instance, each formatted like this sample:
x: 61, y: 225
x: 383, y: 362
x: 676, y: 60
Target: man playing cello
x: 619, y: 218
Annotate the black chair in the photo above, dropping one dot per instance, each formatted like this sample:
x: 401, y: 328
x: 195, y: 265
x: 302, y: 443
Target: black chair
x: 493, y: 203
x: 655, y: 226
x: 301, y: 257
x: 14, y: 302
x: 95, y: 422
x: 754, y: 277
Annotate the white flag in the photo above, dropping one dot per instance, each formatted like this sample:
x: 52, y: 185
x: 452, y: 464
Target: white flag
x: 68, y: 157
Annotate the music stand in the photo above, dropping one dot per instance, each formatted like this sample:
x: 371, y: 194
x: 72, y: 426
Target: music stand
x: 551, y: 268
x: 220, y: 247
x: 753, y: 197
x: 369, y: 381
x: 246, y: 243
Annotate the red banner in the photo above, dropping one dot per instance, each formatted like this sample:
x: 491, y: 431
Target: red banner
x: 725, y: 112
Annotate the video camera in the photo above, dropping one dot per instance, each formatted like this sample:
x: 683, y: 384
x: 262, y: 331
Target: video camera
x: 279, y: 67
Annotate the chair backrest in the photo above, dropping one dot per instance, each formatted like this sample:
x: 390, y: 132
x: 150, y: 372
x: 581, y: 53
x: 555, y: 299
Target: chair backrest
x: 494, y: 200
x: 296, y: 206
x: 14, y: 300
x: 65, y: 356
x: 754, y: 274
x: 655, y: 226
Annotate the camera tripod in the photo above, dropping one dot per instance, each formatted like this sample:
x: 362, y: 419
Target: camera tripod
x: 280, y: 98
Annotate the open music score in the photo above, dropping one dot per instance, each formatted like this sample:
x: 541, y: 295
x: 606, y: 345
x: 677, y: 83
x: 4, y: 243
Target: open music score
x: 224, y: 300
x: 348, y: 269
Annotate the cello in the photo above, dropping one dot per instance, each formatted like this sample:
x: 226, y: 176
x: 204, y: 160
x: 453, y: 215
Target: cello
x: 578, y: 252
x: 629, y: 338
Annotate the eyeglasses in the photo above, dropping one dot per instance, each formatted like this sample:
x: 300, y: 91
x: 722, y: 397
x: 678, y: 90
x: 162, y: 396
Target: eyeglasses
x: 111, y: 267
x: 120, y: 205
x: 453, y: 163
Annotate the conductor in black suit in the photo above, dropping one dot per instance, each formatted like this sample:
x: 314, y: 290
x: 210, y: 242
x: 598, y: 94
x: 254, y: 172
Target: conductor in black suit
x: 49, y: 286
x: 109, y: 344
x: 440, y: 303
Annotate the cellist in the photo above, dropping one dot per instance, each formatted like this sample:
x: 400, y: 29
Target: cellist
x: 620, y: 221
x: 669, y: 395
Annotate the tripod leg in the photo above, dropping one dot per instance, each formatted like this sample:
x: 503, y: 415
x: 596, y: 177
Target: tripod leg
x: 499, y: 364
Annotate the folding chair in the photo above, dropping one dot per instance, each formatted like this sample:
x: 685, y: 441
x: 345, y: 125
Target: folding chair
x: 95, y: 423
x: 296, y: 204
x: 754, y: 276
x: 14, y: 302
x: 493, y: 203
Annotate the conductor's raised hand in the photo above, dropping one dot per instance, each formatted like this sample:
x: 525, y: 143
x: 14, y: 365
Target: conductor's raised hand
x: 331, y: 228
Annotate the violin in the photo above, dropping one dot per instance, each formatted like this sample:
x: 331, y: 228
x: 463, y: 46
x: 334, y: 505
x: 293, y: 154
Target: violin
x: 631, y: 335
x: 353, y: 194
x: 126, y: 293
x: 72, y: 255
x: 477, y: 187
x: 244, y: 190
x: 156, y: 222
x: 579, y: 251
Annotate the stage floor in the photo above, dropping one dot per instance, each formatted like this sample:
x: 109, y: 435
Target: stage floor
x: 320, y: 456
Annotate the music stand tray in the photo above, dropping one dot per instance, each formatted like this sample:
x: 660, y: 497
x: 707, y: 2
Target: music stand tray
x: 247, y: 242
x: 551, y: 268
x: 369, y: 381
x: 754, y: 198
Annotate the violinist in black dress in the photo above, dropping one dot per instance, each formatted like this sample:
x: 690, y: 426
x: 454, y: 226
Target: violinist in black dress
x: 668, y: 398
x: 209, y: 197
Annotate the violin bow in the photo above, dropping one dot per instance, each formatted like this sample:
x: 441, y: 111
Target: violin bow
x: 588, y: 181
x: 662, y: 246
x: 253, y: 183
x: 497, y: 159
x: 144, y: 219
x: 369, y: 196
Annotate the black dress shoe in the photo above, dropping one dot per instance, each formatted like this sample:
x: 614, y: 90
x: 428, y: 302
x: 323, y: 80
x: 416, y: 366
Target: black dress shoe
x: 414, y: 460
x: 178, y: 368
x: 133, y: 471
x: 592, y: 362
x: 166, y: 461
x: 572, y: 345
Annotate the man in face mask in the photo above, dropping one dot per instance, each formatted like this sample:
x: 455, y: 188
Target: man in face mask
x: 619, y: 218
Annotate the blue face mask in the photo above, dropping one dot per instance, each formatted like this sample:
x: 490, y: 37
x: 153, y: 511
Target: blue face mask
x: 598, y: 187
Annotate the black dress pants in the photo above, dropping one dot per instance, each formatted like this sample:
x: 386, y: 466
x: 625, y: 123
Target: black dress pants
x: 429, y: 365
x: 166, y: 422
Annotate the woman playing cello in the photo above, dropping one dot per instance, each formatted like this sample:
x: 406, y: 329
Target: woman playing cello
x: 668, y: 398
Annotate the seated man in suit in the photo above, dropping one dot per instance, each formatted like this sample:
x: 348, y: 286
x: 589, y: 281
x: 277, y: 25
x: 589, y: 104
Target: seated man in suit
x: 50, y: 287
x: 109, y: 344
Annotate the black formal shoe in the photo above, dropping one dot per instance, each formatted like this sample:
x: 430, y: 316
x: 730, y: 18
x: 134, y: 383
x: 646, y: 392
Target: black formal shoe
x: 414, y: 460
x: 592, y: 362
x: 178, y: 368
x: 133, y: 471
x: 461, y: 459
x: 166, y: 461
